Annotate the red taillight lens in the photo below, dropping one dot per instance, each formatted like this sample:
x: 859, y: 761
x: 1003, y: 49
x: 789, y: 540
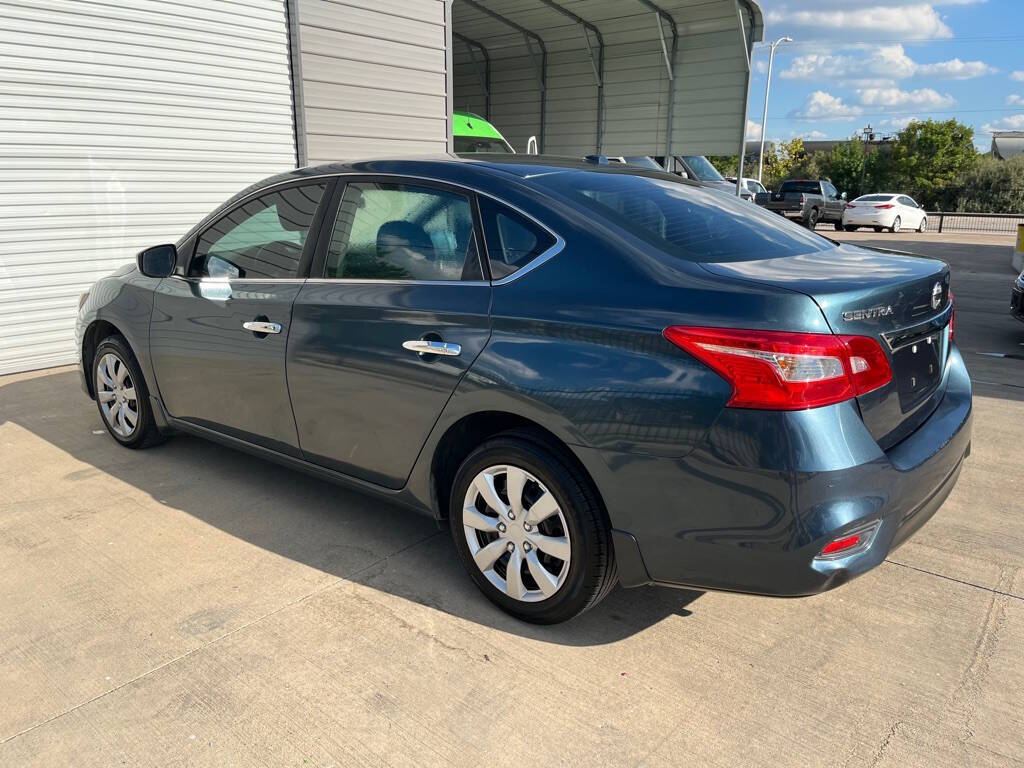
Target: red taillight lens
x: 850, y: 543
x: 778, y: 370
x: 952, y: 313
x: 885, y: 205
x: 850, y: 205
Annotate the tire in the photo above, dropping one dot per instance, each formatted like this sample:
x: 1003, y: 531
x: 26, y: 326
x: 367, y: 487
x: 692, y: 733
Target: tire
x: 839, y: 226
x: 851, y: 228
x: 573, y: 585
x: 812, y: 218
x: 116, y: 371
x: 923, y: 226
x: 897, y: 223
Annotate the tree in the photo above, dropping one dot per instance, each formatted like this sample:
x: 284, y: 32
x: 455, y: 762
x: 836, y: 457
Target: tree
x: 781, y: 163
x: 930, y: 158
x: 992, y: 186
x: 844, y: 167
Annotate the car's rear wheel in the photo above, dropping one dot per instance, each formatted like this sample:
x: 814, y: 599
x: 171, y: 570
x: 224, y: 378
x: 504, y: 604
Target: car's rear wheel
x: 923, y: 225
x: 121, y: 395
x: 812, y: 218
x: 529, y: 528
x: 896, y: 224
x: 851, y: 228
x: 878, y: 229
x: 839, y: 226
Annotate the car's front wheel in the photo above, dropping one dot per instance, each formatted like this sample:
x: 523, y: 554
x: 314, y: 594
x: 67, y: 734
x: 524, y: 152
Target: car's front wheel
x: 530, y: 530
x: 923, y: 226
x: 896, y: 225
x: 121, y: 395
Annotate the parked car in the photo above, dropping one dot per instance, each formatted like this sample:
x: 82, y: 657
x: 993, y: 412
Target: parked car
x: 473, y: 134
x: 592, y: 374
x: 884, y: 211
x: 806, y: 201
x: 696, y: 167
x: 750, y: 188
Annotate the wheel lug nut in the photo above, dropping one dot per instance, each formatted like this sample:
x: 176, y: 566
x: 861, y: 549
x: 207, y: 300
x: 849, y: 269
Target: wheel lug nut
x: 511, y: 515
x: 527, y: 546
x: 511, y: 547
x: 501, y: 527
x: 527, y: 527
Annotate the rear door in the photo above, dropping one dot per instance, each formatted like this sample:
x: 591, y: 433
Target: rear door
x: 219, y: 333
x: 394, y: 314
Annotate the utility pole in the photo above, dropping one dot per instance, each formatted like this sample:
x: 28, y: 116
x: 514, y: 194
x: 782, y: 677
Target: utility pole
x: 869, y: 134
x: 767, y: 88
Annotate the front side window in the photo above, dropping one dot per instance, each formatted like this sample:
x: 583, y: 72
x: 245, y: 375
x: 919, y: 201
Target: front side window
x: 263, y: 238
x: 513, y: 241
x: 387, y: 231
x: 702, y: 168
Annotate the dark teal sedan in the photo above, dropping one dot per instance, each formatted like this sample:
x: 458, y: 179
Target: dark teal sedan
x: 593, y: 374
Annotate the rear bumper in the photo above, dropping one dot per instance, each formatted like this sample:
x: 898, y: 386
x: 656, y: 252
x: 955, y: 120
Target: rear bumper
x: 868, y: 220
x: 750, y: 510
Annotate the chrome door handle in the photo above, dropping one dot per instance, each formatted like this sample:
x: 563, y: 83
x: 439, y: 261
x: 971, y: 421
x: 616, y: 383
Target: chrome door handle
x: 258, y: 326
x: 427, y: 347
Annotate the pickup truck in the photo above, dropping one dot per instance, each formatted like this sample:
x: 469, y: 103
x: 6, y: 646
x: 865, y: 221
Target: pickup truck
x: 809, y: 202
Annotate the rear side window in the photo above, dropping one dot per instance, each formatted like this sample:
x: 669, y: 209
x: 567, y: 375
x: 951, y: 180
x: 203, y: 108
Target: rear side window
x: 513, y: 241
x: 403, y: 232
x: 263, y: 238
x: 681, y: 219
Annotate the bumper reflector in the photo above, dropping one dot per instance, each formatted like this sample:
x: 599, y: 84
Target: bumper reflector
x: 849, y: 543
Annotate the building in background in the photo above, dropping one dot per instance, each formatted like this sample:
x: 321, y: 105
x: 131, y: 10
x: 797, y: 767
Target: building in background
x: 125, y: 123
x: 1007, y: 144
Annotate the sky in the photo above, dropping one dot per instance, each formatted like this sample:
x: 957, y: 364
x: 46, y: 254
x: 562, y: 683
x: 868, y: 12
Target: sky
x: 883, y: 63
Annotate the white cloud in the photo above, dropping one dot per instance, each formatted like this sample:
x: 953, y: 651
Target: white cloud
x: 924, y: 98
x: 1017, y: 75
x: 896, y: 123
x: 814, y: 135
x: 1015, y: 100
x: 822, y: 105
x: 753, y: 130
x: 1009, y: 123
x: 890, y: 62
x: 879, y: 21
x: 955, y: 69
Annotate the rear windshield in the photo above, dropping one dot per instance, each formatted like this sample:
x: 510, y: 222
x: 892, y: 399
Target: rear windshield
x: 702, y: 168
x: 874, y: 198
x: 810, y: 187
x: 684, y: 220
x: 471, y: 144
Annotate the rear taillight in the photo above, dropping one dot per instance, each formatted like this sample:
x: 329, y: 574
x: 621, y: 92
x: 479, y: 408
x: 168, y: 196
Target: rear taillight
x: 850, y: 205
x: 777, y: 370
x: 952, y: 313
x: 885, y: 205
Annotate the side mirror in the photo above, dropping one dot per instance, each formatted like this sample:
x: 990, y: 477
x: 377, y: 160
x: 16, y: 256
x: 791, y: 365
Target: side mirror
x: 157, y: 261
x: 842, y: 196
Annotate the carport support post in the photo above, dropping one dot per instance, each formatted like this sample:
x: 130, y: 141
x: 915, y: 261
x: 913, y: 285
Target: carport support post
x: 748, y: 48
x: 670, y: 63
x: 485, y: 75
x: 527, y: 36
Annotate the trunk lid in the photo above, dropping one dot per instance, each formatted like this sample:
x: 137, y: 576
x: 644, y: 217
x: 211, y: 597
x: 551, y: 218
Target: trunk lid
x: 899, y: 299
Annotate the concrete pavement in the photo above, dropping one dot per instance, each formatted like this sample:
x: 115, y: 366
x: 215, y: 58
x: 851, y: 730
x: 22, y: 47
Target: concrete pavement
x: 189, y: 605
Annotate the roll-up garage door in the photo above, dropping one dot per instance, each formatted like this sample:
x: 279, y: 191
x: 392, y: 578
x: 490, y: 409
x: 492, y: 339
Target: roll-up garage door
x: 121, y: 125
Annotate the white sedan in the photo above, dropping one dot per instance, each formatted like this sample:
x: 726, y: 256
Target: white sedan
x: 884, y: 211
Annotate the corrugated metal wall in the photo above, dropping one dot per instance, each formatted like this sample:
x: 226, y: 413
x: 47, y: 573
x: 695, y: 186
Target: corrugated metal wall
x: 374, y: 77
x: 123, y: 124
x: 710, y: 75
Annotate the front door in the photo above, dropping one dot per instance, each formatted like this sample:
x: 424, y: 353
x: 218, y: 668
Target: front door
x: 381, y: 338
x: 219, y: 333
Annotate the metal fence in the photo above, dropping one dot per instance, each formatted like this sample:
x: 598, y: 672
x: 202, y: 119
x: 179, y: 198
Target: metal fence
x: 984, y: 223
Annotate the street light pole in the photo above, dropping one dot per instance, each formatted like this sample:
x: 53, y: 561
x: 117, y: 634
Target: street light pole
x: 767, y: 88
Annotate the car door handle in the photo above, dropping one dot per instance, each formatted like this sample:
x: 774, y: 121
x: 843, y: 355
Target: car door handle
x: 259, y: 326
x: 428, y: 347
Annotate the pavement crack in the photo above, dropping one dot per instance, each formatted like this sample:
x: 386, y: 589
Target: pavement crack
x: 992, y: 590
x: 181, y: 657
x: 880, y: 752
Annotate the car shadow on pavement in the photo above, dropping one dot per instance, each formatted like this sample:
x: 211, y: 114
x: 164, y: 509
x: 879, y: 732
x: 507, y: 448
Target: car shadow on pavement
x: 353, y: 536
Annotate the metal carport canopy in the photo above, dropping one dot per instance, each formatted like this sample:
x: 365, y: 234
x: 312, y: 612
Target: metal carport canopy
x: 614, y: 77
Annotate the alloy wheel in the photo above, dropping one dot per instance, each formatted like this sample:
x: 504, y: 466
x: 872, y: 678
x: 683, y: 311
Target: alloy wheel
x: 896, y: 224
x: 517, y: 533
x: 115, y: 392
